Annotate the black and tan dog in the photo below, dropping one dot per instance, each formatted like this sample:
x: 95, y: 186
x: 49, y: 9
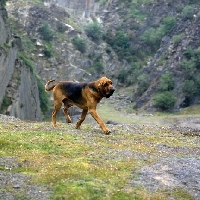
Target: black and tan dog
x: 83, y: 95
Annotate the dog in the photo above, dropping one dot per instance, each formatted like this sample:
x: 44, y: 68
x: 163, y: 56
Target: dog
x: 83, y: 95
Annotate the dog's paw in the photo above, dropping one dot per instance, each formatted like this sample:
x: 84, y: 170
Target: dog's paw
x: 54, y: 125
x: 78, y: 127
x: 107, y: 132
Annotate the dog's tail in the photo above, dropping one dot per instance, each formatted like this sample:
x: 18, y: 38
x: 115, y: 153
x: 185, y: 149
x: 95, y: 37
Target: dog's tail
x: 49, y: 88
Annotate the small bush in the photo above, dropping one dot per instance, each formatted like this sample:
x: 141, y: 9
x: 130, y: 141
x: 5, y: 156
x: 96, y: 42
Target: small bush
x: 166, y: 82
x: 26, y: 61
x: 98, y: 66
x: 46, y: 32
x: 6, y: 102
x: 188, y: 53
x: 80, y: 44
x: 94, y: 31
x: 192, y: 63
x: 152, y: 36
x: 168, y: 23
x: 190, y: 88
x: 122, y: 75
x: 187, y: 12
x: 121, y: 40
x: 48, y: 50
x: 164, y: 100
x: 143, y: 83
x: 61, y: 28
x: 189, y: 68
x: 43, y: 95
x: 177, y: 38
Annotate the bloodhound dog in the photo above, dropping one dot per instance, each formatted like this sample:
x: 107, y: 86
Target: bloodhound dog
x: 83, y: 95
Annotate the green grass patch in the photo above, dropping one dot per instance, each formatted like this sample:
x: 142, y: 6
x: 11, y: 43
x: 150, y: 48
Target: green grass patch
x: 86, y: 164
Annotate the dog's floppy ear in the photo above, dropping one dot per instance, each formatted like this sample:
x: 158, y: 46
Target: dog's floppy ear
x: 102, y: 84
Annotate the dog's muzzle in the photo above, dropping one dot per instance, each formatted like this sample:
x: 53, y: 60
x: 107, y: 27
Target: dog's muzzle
x: 110, y: 93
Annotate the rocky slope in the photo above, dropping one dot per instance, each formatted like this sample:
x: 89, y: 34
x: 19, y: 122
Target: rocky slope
x: 19, y: 94
x: 141, y: 43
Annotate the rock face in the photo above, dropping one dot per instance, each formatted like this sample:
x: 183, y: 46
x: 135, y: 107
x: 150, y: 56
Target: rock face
x: 25, y: 104
x: 68, y: 63
x: 171, y: 54
x: 19, y: 96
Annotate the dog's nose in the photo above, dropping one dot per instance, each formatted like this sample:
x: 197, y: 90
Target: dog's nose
x: 112, y: 89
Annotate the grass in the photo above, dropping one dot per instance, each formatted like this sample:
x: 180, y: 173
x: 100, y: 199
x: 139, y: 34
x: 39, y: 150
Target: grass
x: 86, y: 164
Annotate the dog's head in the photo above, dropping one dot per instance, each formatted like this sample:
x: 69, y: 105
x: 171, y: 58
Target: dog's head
x: 105, y: 87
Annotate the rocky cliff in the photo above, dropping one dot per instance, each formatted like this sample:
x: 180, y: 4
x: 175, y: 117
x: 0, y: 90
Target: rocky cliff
x: 19, y: 94
x: 150, y: 46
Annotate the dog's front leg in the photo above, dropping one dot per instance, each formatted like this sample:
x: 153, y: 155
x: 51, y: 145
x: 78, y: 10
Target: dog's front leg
x: 95, y: 115
x: 83, y: 115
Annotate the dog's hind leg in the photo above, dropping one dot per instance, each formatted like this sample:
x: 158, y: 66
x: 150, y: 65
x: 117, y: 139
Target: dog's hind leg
x: 83, y: 115
x: 65, y: 110
x: 57, y: 106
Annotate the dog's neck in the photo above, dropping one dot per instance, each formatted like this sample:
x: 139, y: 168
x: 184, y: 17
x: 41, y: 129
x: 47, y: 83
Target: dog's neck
x: 95, y: 89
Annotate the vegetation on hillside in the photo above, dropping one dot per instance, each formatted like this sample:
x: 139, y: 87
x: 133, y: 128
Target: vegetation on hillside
x: 135, y: 40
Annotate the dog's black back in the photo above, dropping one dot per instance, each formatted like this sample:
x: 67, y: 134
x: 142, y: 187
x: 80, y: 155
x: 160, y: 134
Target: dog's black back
x: 73, y: 90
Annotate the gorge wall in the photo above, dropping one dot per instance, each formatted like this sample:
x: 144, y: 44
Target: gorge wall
x: 140, y: 44
x: 19, y: 96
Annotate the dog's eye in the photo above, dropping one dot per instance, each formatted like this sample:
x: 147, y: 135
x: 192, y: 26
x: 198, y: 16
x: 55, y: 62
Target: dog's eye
x: 106, y: 84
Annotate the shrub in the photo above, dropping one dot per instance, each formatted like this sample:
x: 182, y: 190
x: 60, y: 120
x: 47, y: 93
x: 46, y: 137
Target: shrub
x: 94, y: 31
x: 108, y: 37
x: 122, y: 76
x: 46, y: 32
x: 166, y: 82
x: 80, y: 44
x: 149, y: 36
x: 153, y: 36
x: 177, y: 38
x: 26, y: 61
x: 187, y: 12
x: 48, y: 50
x: 61, y: 27
x: 188, y: 53
x: 168, y: 23
x: 143, y: 83
x: 193, y: 55
x: 121, y: 40
x: 192, y: 63
x: 164, y: 100
x: 28, y: 44
x: 98, y: 66
x: 43, y: 95
x: 189, y: 68
x: 190, y: 88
